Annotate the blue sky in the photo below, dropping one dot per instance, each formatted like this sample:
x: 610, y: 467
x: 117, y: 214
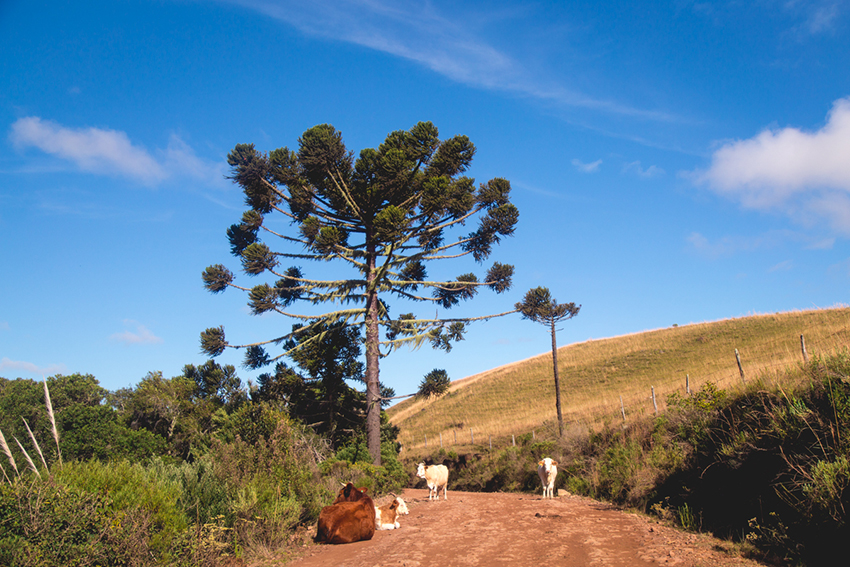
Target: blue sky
x: 673, y: 162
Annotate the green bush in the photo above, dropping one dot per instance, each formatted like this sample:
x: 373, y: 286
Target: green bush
x: 132, y: 488
x: 45, y: 523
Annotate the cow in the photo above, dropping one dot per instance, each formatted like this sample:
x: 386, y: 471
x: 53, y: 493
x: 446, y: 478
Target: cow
x: 350, y: 518
x: 435, y: 476
x: 547, y: 469
x: 386, y: 516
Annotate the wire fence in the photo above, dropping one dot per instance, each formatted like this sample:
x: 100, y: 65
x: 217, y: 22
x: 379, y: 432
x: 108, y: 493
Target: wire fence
x: 738, y: 370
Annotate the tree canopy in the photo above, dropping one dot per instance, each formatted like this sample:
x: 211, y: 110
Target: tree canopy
x: 385, y: 217
x: 435, y: 383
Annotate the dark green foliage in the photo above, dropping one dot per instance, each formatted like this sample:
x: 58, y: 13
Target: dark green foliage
x: 435, y: 383
x: 218, y: 384
x: 94, y: 432
x: 539, y: 306
x: 321, y: 397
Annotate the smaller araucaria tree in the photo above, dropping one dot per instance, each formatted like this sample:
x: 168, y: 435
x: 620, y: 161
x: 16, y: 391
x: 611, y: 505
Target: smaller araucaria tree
x: 435, y: 383
x: 539, y: 306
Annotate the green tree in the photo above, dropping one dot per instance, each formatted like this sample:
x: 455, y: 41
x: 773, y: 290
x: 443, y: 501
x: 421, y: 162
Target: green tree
x: 218, y: 384
x: 383, y: 216
x: 539, y: 306
x: 435, y: 383
x: 165, y: 407
x: 322, y: 399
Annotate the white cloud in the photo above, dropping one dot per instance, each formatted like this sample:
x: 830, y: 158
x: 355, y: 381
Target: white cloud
x: 637, y: 168
x: 587, y: 167
x: 805, y: 175
x: 138, y: 335
x: 92, y: 149
x: 110, y: 152
x: 18, y: 365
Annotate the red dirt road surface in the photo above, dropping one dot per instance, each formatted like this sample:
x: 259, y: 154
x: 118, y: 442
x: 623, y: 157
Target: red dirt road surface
x: 483, y: 529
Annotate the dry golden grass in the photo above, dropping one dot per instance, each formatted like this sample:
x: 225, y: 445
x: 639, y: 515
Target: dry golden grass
x: 520, y: 398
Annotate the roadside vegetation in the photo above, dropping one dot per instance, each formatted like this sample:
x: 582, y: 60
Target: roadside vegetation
x: 193, y: 470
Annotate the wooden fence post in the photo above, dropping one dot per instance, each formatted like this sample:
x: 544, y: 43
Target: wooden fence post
x: 455, y: 436
x: 803, y: 346
x: 653, y: 400
x: 441, y: 439
x: 491, y: 442
x: 622, y: 408
x: 740, y: 368
x: 513, y: 440
x: 688, y: 383
x: 471, y: 436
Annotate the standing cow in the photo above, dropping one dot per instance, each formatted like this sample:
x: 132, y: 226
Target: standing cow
x: 547, y: 469
x: 435, y: 476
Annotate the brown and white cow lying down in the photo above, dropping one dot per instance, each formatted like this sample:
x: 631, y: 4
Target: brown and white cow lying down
x: 386, y: 516
x: 350, y: 518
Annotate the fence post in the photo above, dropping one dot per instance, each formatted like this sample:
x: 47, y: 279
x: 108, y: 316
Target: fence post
x: 455, y: 436
x: 653, y: 400
x: 622, y: 409
x: 740, y: 368
x: 513, y: 440
x: 688, y: 383
x: 471, y: 436
x: 441, y: 439
x: 491, y: 442
x: 803, y: 346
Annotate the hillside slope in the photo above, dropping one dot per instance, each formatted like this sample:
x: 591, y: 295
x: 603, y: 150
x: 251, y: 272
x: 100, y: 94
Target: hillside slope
x: 602, y: 379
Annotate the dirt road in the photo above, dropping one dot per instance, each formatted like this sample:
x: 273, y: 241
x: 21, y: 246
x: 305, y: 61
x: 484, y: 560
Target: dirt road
x: 482, y: 529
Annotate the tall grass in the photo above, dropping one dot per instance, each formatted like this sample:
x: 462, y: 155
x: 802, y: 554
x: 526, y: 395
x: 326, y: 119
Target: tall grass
x: 595, y: 375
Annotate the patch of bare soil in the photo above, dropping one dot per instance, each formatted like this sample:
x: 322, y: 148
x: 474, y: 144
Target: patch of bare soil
x: 478, y: 529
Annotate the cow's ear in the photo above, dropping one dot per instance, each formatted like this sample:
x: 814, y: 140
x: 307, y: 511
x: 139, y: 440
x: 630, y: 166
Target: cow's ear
x: 540, y: 463
x: 555, y: 463
x: 347, y: 490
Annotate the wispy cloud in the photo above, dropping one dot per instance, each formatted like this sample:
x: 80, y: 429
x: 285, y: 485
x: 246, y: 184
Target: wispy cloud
x: 446, y: 43
x: 636, y: 168
x: 92, y: 149
x: 111, y: 152
x: 137, y: 334
x: 7, y: 364
x: 587, y: 167
x: 817, y: 16
x: 805, y: 175
x: 730, y: 245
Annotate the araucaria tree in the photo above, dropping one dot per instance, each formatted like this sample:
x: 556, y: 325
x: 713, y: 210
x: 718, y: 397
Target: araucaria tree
x: 383, y: 218
x: 539, y: 306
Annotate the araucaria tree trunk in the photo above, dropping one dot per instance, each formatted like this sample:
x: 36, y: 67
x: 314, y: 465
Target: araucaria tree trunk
x: 557, y: 382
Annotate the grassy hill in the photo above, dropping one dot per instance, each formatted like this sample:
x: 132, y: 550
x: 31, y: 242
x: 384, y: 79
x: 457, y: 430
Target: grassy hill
x: 519, y: 399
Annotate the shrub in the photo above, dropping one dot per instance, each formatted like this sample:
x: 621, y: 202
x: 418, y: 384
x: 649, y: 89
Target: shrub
x: 45, y: 523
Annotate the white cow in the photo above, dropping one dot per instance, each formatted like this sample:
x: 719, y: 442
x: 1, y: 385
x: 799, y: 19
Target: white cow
x: 547, y: 469
x: 435, y: 476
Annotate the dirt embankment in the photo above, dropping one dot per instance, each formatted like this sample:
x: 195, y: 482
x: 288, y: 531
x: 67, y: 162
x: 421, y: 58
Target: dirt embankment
x: 482, y: 529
